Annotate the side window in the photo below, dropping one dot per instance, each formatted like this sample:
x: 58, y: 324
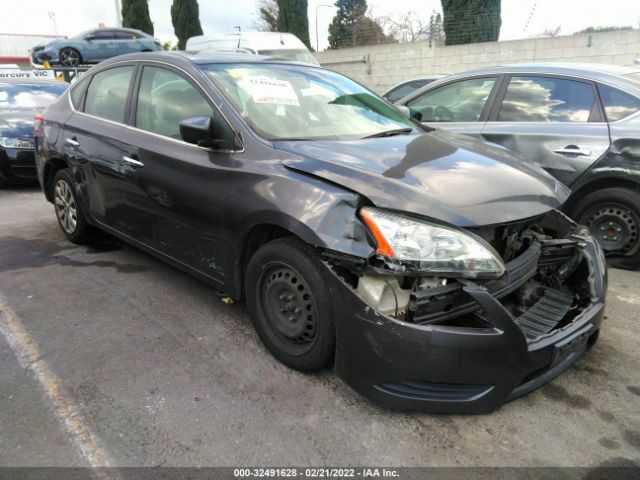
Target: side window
x: 107, y: 93
x: 103, y: 35
x: 617, y: 104
x: 119, y: 35
x: 77, y: 90
x: 547, y: 99
x: 461, y: 101
x: 165, y: 99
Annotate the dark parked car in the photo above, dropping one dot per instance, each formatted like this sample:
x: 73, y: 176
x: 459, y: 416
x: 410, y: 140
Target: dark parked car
x: 94, y: 46
x: 20, y: 102
x: 432, y: 270
x: 581, y: 123
x: 402, y: 89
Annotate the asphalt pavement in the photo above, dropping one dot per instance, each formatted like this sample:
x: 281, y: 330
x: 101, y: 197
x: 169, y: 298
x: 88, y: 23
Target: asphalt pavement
x: 109, y: 356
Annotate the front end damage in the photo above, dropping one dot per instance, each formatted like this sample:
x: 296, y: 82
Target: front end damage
x: 456, y: 345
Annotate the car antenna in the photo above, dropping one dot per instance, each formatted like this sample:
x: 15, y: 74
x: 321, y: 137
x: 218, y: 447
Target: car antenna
x: 239, y: 34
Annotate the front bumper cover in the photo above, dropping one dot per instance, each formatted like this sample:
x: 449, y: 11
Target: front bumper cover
x: 442, y: 369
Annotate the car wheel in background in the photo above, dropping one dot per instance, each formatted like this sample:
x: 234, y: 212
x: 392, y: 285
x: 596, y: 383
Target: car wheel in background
x: 69, y: 57
x: 4, y: 183
x: 613, y: 216
x: 68, y: 212
x: 288, y: 300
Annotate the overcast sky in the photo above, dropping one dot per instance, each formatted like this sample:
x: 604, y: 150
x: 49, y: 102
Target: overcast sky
x: 74, y: 16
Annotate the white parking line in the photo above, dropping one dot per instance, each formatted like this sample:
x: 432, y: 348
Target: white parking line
x: 29, y: 356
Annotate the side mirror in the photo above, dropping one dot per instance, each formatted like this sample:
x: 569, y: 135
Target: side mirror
x: 211, y: 132
x: 89, y: 38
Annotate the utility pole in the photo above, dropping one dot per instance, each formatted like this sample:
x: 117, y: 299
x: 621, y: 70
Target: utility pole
x: 52, y: 17
x: 118, y: 13
x: 317, y: 7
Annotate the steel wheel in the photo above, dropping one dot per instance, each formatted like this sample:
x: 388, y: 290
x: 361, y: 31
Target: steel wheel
x: 65, y: 204
x: 616, y: 228
x: 284, y: 298
x: 69, y: 57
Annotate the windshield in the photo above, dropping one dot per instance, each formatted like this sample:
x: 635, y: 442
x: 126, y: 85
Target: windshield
x: 304, y: 103
x: 18, y: 97
x: 296, y: 55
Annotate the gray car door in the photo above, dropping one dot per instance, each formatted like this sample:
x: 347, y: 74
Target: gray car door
x: 554, y: 121
x: 461, y: 105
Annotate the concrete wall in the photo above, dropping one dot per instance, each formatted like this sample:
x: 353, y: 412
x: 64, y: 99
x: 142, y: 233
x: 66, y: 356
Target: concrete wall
x: 382, y: 66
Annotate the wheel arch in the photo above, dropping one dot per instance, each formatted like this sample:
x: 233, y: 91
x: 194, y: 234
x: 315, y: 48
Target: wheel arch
x: 261, y: 232
x: 599, y: 183
x: 51, y: 167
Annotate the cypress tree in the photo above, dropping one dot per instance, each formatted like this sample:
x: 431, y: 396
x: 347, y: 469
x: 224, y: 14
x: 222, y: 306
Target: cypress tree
x: 185, y: 17
x: 471, y: 21
x: 293, y: 18
x: 135, y: 14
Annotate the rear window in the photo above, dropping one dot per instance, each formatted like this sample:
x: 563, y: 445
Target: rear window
x: 405, y: 89
x: 618, y: 104
x: 29, y: 96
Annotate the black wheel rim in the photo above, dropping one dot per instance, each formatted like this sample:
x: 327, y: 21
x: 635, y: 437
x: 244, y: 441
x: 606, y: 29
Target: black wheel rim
x: 69, y: 58
x: 615, y: 226
x: 288, y: 308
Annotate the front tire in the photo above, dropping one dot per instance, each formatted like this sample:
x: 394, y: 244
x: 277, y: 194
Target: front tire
x: 69, y: 57
x: 288, y: 299
x: 68, y: 212
x: 613, y: 216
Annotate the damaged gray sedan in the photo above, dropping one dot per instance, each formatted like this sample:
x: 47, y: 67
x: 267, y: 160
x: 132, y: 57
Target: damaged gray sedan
x: 432, y: 271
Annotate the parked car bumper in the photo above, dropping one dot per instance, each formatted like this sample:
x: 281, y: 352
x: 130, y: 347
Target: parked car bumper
x: 17, y: 165
x: 40, y: 56
x: 442, y: 369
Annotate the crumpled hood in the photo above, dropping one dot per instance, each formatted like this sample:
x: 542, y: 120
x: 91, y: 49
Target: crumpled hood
x: 17, y: 123
x: 441, y: 175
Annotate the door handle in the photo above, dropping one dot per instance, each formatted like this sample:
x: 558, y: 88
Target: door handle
x: 72, y: 142
x: 572, y: 150
x: 132, y: 161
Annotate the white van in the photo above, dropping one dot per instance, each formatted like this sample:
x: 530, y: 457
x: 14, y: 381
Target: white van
x: 285, y: 46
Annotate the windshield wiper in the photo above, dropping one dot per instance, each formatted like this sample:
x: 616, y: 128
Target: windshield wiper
x: 391, y: 133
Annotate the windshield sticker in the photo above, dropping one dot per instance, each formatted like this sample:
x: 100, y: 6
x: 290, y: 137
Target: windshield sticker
x: 270, y: 90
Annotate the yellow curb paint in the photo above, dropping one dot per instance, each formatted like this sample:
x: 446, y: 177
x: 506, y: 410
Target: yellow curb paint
x: 29, y: 356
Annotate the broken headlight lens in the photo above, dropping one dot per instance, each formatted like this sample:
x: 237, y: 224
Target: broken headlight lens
x: 429, y: 247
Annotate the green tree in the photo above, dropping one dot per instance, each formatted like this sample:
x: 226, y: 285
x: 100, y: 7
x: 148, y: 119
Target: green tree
x: 267, y: 16
x: 352, y: 28
x: 471, y: 21
x: 135, y: 14
x: 293, y: 18
x: 185, y: 16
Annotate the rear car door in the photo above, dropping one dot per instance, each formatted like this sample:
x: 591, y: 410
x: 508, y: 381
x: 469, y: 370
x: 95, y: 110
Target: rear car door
x: 461, y: 105
x: 93, y: 140
x: 554, y: 121
x: 174, y: 191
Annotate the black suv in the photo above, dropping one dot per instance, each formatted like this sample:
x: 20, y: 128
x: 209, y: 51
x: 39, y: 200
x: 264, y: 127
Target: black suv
x: 432, y: 270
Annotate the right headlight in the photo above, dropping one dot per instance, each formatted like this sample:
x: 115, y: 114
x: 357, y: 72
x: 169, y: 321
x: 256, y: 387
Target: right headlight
x: 430, y: 248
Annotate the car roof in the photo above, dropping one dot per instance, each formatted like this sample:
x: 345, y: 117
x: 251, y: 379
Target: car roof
x: 32, y: 81
x: 204, y: 58
x: 614, y: 75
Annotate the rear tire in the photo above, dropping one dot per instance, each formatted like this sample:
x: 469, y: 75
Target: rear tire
x: 288, y: 299
x: 70, y: 217
x: 4, y: 183
x: 613, y: 216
